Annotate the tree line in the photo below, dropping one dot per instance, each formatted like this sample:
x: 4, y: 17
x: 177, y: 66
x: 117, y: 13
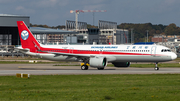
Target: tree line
x: 139, y: 30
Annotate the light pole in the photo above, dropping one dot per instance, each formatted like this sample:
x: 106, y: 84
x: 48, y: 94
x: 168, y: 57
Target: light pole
x: 147, y: 35
x: 132, y: 36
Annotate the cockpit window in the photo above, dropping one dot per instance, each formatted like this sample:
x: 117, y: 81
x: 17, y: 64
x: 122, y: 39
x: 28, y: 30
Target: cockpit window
x: 165, y: 50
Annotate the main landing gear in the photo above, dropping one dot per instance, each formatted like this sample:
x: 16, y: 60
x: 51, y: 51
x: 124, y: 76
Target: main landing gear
x: 156, y: 67
x: 84, y: 67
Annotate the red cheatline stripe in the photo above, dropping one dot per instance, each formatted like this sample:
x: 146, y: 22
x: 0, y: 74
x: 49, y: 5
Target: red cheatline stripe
x: 90, y: 52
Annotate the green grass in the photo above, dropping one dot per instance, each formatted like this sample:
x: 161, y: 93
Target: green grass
x: 151, y: 87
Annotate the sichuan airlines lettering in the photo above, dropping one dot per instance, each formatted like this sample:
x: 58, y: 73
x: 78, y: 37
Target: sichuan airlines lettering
x: 106, y: 47
x: 96, y: 56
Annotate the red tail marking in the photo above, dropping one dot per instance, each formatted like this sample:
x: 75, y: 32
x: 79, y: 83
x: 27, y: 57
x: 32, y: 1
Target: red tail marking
x: 26, y: 37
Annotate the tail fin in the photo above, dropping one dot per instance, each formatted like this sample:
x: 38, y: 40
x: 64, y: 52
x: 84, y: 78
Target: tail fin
x: 26, y: 37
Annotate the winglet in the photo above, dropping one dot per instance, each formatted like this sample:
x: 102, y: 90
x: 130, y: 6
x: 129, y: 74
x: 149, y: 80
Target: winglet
x: 27, y: 38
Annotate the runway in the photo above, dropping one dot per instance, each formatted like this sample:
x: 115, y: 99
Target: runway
x: 49, y: 69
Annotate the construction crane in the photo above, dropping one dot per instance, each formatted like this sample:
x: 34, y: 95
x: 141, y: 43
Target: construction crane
x: 83, y: 11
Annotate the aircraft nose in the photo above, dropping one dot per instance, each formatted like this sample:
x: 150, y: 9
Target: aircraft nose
x: 173, y: 56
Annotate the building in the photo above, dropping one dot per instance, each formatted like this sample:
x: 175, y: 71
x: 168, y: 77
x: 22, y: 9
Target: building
x: 106, y: 32
x: 53, y: 36
x: 8, y: 28
x: 9, y: 34
x: 122, y: 36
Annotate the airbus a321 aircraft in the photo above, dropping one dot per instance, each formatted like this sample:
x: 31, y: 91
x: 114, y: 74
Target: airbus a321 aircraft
x: 96, y: 56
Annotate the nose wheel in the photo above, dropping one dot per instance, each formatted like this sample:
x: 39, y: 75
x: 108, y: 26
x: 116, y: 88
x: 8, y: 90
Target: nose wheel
x: 156, y: 67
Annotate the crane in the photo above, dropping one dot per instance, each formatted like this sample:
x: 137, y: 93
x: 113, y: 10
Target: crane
x: 83, y: 11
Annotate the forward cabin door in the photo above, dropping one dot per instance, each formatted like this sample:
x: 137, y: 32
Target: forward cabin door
x: 153, y: 51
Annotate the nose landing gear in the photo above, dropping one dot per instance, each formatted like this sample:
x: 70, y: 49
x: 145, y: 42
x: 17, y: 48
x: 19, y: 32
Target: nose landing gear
x: 156, y: 67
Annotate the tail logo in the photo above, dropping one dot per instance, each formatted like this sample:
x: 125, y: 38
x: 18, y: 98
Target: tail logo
x: 24, y: 35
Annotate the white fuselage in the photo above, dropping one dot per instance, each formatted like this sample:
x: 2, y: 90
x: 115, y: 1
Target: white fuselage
x: 113, y: 53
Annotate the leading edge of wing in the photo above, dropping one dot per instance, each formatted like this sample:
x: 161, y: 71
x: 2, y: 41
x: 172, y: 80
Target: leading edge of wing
x: 66, y: 54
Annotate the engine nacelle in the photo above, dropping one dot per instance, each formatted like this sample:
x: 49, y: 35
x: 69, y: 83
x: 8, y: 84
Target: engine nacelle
x: 98, y: 62
x: 121, y: 64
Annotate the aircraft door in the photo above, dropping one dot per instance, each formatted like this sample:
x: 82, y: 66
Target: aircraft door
x: 153, y: 51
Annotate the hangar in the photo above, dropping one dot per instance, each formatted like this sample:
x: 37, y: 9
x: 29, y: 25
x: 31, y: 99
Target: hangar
x: 9, y: 32
x: 8, y: 28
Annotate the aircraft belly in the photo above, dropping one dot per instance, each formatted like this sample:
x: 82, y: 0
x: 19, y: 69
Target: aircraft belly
x: 143, y: 58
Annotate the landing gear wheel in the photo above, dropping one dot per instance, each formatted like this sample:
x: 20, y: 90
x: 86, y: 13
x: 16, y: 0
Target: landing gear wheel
x: 156, y: 68
x: 84, y: 67
x: 100, y: 68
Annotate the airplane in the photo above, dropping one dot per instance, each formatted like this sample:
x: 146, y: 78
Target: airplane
x: 96, y: 56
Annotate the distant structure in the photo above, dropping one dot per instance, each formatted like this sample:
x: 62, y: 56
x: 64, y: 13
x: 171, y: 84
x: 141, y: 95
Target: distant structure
x: 8, y: 28
x: 159, y: 38
x: 107, y: 25
x: 106, y: 33
x: 113, y: 35
x: 52, y: 36
x: 83, y: 11
x: 82, y: 36
x: 72, y: 25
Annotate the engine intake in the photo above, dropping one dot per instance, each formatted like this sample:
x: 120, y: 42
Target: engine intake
x: 98, y: 62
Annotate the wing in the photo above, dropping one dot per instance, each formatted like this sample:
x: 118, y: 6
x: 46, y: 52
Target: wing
x: 70, y: 55
x: 66, y: 54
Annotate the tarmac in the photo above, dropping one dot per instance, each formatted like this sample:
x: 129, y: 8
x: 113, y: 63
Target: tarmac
x: 49, y: 69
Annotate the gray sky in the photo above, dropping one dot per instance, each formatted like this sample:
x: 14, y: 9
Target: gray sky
x: 56, y: 12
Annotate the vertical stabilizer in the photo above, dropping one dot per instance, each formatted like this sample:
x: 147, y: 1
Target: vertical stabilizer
x: 26, y: 37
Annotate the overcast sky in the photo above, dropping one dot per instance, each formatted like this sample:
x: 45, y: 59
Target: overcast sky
x: 56, y: 12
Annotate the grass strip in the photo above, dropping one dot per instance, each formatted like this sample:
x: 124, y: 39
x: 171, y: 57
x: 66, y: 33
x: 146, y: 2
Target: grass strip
x: 150, y: 87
